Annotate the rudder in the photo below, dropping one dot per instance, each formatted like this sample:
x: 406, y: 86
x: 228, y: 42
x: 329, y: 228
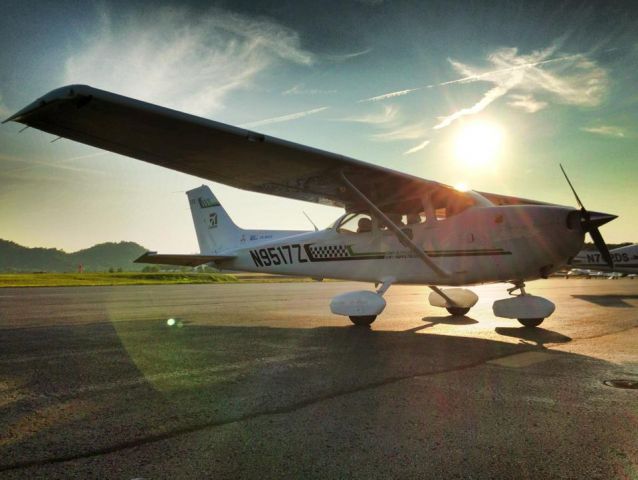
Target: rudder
x: 214, y: 228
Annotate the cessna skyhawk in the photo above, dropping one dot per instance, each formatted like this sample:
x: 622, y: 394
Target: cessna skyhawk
x: 397, y: 228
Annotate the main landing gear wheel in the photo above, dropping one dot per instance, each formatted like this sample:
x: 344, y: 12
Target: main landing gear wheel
x: 363, y: 320
x: 457, y: 311
x: 531, y: 322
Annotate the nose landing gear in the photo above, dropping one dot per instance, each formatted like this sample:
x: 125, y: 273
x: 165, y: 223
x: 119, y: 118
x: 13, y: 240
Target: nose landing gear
x: 529, y: 310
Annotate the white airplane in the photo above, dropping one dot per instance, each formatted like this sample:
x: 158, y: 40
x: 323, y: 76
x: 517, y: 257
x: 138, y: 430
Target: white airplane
x: 577, y: 272
x: 397, y: 229
x: 625, y: 260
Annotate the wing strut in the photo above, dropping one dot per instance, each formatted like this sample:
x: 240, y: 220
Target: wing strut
x: 401, y: 236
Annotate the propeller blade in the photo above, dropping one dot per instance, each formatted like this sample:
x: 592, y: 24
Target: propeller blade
x: 580, y: 204
x: 590, y: 222
x: 601, y: 246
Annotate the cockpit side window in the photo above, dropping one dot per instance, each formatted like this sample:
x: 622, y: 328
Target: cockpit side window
x: 354, y: 223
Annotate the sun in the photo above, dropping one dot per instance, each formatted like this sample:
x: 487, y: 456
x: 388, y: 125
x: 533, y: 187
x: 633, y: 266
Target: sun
x: 478, y: 143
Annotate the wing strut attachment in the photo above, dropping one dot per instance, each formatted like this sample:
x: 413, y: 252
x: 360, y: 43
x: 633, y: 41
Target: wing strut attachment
x: 401, y: 236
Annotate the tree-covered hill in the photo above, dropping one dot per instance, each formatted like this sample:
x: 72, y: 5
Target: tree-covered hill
x: 98, y: 258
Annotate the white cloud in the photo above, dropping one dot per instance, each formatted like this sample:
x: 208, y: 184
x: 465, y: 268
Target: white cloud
x: 526, y: 103
x: 606, y: 130
x: 283, y: 118
x: 419, y: 147
x: 387, y: 115
x: 491, y: 95
x: 571, y: 79
x: 189, y: 62
x: 385, y: 96
x: 300, y: 90
x: 347, y: 56
x: 567, y: 79
x: 469, y: 77
x: 413, y: 131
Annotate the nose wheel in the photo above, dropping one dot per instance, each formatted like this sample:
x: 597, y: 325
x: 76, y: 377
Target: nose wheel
x: 363, y: 320
x: 530, y: 322
x: 457, y: 311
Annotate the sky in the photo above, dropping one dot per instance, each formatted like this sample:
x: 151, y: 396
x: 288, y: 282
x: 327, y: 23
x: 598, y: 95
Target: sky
x: 492, y: 95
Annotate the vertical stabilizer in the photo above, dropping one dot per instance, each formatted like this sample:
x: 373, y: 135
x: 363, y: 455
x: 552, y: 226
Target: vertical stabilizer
x: 215, y: 230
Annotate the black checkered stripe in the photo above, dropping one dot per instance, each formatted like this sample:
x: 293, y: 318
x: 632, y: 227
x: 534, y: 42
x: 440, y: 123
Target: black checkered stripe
x: 331, y: 253
x: 327, y: 252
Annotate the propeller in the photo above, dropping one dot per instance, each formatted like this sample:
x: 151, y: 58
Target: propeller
x: 590, y: 221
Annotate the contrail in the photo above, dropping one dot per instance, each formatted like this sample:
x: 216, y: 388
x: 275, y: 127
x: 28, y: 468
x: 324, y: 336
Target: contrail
x: 283, y: 118
x: 468, y: 79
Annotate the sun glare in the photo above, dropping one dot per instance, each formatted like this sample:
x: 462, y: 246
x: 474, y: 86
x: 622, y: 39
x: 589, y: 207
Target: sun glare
x: 477, y: 144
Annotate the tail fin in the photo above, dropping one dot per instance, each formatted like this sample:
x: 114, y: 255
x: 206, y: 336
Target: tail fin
x: 215, y: 230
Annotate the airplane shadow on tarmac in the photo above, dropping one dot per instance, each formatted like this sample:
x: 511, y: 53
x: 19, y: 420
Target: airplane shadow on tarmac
x: 127, y: 383
x: 449, y: 320
x: 533, y: 336
x: 618, y: 301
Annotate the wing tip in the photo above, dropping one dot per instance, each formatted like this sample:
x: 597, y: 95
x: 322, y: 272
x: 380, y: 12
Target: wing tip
x: 67, y: 91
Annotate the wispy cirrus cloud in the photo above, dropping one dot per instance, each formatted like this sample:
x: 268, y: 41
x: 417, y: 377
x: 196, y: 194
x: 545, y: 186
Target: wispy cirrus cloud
x: 606, y: 130
x: 417, y: 148
x: 19, y: 165
x: 572, y: 79
x: 567, y: 79
x: 411, y: 131
x: 469, y: 77
x: 347, y: 56
x: 283, y: 118
x: 489, y: 96
x: 301, y: 90
x: 526, y: 103
x: 388, y: 114
x: 174, y: 57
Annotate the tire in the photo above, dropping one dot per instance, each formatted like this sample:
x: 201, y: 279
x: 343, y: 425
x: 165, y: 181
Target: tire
x: 531, y: 322
x: 363, y: 320
x: 457, y: 311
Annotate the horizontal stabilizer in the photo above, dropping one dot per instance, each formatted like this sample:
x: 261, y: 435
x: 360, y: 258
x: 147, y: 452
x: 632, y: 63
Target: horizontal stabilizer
x: 184, y: 260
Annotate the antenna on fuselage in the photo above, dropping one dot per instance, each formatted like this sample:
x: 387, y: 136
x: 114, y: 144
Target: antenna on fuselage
x: 310, y: 220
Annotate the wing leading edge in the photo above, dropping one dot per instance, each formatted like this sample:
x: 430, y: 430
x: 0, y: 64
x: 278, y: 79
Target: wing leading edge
x: 219, y: 152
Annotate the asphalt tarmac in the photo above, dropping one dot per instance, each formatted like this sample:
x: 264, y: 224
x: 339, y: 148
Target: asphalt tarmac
x: 261, y: 381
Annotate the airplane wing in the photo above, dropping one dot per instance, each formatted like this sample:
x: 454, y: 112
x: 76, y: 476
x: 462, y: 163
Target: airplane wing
x: 221, y: 153
x: 183, y: 260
